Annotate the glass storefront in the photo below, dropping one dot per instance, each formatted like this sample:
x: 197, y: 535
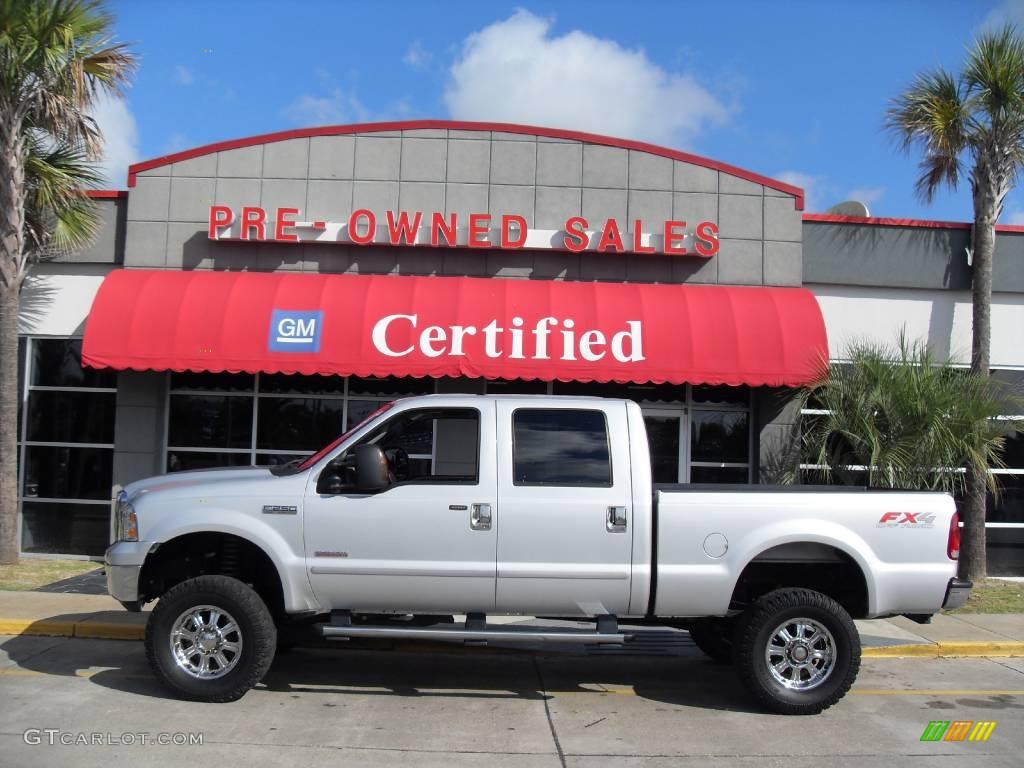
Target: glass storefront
x: 66, y: 450
x: 67, y: 418
x: 698, y: 434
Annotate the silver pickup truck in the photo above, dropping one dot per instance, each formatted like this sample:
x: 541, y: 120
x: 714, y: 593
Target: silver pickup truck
x: 463, y: 506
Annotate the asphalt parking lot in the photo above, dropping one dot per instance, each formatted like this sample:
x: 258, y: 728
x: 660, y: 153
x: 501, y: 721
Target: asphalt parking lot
x: 660, y: 704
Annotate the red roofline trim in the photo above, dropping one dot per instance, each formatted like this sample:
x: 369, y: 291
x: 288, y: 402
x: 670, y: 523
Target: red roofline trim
x: 462, y: 125
x: 876, y: 221
x: 106, y: 194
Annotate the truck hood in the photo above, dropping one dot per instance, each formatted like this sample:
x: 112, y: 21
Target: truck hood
x: 200, y: 482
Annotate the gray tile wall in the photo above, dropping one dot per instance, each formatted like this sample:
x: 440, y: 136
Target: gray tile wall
x: 545, y: 180
x: 139, y: 425
x: 108, y: 245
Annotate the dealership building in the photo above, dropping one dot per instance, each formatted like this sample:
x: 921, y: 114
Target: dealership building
x: 246, y: 302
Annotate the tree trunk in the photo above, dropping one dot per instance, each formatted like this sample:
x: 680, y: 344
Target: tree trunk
x: 987, y: 201
x: 12, y: 215
x: 8, y: 425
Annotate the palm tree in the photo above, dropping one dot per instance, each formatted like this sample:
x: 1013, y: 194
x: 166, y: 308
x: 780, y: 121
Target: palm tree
x: 894, y: 417
x: 56, y: 58
x: 973, y: 123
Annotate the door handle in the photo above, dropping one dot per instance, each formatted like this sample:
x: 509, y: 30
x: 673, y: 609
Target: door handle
x: 616, y: 520
x: 480, y: 517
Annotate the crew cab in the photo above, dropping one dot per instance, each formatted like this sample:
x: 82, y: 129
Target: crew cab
x: 448, y: 506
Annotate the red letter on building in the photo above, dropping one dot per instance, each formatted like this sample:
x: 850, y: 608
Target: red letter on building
x: 282, y: 222
x: 707, y: 239
x: 638, y: 247
x: 439, y: 226
x: 675, y: 233
x: 353, y: 228
x: 254, y: 217
x: 478, y: 226
x: 220, y: 216
x: 576, y: 239
x: 610, y: 237
x: 403, y: 229
x: 506, y: 233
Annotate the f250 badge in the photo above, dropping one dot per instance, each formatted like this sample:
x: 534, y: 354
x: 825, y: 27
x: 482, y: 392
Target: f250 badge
x: 906, y: 520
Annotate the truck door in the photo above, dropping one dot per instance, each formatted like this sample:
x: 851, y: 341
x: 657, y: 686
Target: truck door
x: 427, y: 542
x: 565, y: 528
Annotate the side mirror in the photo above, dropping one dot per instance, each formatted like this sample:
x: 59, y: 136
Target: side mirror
x: 371, y: 469
x: 330, y: 483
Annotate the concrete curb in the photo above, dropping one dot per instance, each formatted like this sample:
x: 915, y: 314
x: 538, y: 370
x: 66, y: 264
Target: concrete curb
x: 86, y: 629
x: 947, y: 650
x: 135, y: 629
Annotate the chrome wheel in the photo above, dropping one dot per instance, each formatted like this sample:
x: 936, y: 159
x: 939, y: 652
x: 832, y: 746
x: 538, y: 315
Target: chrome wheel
x: 206, y: 642
x: 800, y: 654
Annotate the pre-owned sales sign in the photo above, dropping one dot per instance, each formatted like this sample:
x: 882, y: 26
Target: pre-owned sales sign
x: 475, y: 230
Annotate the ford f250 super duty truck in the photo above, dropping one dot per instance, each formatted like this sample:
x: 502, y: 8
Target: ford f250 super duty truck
x: 451, y: 505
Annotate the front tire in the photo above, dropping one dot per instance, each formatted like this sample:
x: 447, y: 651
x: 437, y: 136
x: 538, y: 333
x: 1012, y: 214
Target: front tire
x: 797, y: 651
x: 210, y: 638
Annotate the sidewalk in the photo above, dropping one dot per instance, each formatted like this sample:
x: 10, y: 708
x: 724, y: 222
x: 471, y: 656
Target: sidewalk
x: 102, y: 617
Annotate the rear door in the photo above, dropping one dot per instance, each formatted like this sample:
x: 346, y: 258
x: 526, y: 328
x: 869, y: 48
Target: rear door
x: 565, y: 527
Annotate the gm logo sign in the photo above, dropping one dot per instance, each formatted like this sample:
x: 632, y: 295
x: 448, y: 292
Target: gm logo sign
x: 295, y: 331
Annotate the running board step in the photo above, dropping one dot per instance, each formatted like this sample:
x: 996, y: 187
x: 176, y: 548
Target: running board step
x: 459, y: 634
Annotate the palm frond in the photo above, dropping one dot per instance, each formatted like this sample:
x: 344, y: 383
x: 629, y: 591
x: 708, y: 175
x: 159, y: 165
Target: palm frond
x: 932, y: 114
x: 910, y: 420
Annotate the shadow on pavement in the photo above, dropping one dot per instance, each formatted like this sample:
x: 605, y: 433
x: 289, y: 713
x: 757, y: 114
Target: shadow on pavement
x: 425, y: 671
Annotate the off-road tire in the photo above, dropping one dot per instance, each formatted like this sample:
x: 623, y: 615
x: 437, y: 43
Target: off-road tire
x: 753, y: 633
x: 714, y: 637
x: 259, y: 638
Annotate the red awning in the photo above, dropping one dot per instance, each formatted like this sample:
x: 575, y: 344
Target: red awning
x: 370, y: 325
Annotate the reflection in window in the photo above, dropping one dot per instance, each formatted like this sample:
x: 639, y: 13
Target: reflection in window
x: 64, y: 490
x: 437, y: 445
x: 212, y: 422
x: 560, y: 447
x: 720, y: 436
x: 298, y: 424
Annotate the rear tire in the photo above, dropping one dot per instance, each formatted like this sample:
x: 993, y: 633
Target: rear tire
x: 797, y: 651
x: 714, y: 637
x: 210, y: 638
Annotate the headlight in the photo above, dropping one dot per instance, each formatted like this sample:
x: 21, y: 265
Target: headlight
x: 127, y: 525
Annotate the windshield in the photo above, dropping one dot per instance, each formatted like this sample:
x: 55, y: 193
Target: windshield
x: 309, y: 462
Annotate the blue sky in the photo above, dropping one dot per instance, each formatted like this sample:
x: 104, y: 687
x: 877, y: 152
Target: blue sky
x: 794, y: 90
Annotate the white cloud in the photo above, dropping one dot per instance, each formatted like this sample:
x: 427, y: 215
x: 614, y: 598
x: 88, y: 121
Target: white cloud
x: 337, y: 106
x: 811, y: 185
x: 120, y: 138
x: 821, y: 193
x: 516, y: 71
x: 182, y: 75
x: 1006, y: 12
x: 417, y: 56
x: 1014, y: 217
x: 866, y: 195
x: 175, y: 143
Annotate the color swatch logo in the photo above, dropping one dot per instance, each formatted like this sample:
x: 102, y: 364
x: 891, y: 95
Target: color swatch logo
x: 295, y: 331
x: 958, y: 730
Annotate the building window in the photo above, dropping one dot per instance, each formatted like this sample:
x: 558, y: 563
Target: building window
x: 229, y: 420
x: 66, y: 449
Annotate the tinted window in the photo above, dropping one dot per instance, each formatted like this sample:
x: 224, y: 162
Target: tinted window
x: 427, y: 445
x: 58, y: 363
x: 560, y: 447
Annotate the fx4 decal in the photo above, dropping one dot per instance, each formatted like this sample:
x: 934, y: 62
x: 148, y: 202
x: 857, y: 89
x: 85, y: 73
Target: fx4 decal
x: 907, y: 520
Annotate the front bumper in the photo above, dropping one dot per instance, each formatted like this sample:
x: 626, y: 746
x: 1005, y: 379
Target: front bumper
x: 123, y: 561
x: 957, y: 593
